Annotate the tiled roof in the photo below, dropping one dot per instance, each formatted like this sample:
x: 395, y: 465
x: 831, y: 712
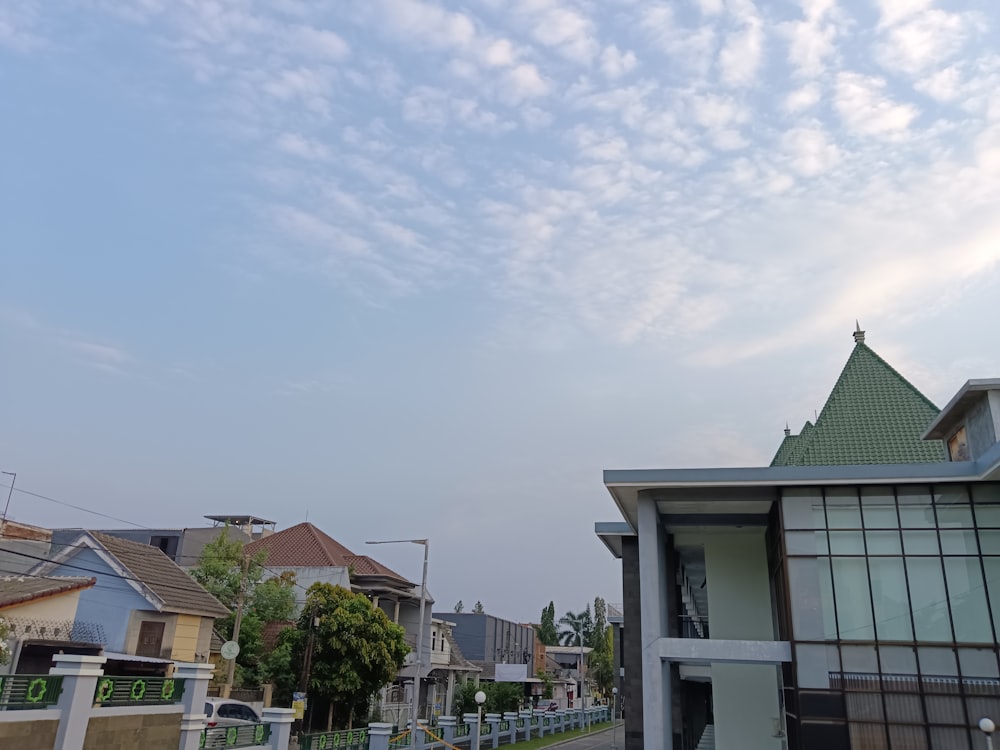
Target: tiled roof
x: 178, y: 591
x: 305, y: 546
x: 873, y: 416
x: 16, y: 589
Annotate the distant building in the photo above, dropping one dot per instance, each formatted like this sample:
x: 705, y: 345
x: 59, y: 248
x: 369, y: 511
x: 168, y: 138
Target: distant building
x: 844, y: 598
x: 486, y: 641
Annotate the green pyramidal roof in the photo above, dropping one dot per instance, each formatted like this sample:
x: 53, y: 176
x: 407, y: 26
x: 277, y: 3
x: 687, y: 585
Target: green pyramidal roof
x: 873, y: 416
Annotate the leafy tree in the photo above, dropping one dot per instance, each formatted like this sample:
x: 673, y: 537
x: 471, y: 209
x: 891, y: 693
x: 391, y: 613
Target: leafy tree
x: 500, y: 697
x: 598, y: 634
x: 547, y: 681
x: 220, y: 570
x: 572, y: 628
x: 547, y: 632
x: 356, y: 650
x: 478, y: 608
x: 4, y: 648
x: 279, y: 666
x: 602, y: 667
x: 459, y: 607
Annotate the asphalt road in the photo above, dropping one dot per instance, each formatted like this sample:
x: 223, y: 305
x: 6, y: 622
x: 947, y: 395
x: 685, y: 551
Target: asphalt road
x: 596, y: 741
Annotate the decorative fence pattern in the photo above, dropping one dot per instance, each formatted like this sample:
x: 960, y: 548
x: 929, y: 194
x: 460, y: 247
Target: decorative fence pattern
x: 136, y: 691
x: 348, y: 739
x: 26, y: 691
x: 244, y: 735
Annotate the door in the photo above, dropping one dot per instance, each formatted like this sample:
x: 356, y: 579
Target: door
x: 150, y: 639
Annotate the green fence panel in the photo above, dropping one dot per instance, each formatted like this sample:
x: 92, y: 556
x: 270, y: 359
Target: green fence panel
x: 242, y: 735
x: 347, y: 739
x: 138, y: 691
x: 28, y: 691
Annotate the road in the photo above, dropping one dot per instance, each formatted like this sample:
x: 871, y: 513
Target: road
x: 596, y: 741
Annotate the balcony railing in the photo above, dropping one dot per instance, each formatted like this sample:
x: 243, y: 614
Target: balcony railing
x: 27, y: 691
x: 693, y: 627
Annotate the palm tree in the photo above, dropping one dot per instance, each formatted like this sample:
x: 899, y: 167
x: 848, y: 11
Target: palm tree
x: 573, y: 629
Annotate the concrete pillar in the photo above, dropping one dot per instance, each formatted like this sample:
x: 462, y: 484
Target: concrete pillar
x: 79, y: 683
x: 379, y: 734
x: 196, y: 678
x: 656, y: 589
x: 494, y: 721
x: 472, y: 721
x: 447, y: 726
x: 511, y: 718
x: 280, y: 720
x: 526, y: 716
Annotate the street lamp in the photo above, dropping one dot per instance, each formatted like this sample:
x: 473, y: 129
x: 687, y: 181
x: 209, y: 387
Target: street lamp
x: 987, y: 727
x: 480, y: 700
x: 614, y: 718
x: 415, y: 698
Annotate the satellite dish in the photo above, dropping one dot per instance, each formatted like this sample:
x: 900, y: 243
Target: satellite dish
x: 230, y: 650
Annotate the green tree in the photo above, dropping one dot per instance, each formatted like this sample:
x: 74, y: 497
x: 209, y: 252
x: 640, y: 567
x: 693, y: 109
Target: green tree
x: 4, y: 648
x: 459, y: 607
x: 547, y: 632
x: 222, y: 571
x: 602, y: 667
x: 598, y: 633
x: 547, y: 682
x: 573, y: 628
x: 356, y: 650
x: 478, y: 608
x: 500, y: 697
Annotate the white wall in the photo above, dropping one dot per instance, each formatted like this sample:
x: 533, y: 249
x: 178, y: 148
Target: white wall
x: 745, y: 696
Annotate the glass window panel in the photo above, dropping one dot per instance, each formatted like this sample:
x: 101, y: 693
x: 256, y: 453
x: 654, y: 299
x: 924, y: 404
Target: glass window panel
x: 883, y: 543
x: 868, y: 736
x: 878, y: 508
x: 908, y: 737
x: 915, y: 509
x: 811, y: 589
x: 898, y: 659
x: 949, y: 738
x: 959, y: 543
x: 864, y: 707
x: 986, y: 503
x: 992, y: 567
x: 989, y: 541
x: 805, y: 542
x: 802, y: 509
x: 842, y: 509
x: 929, y: 602
x: 978, y: 707
x: 847, y: 543
x: 861, y: 660
x: 967, y: 596
x: 815, y: 663
x: 892, y: 610
x: 920, y: 543
x: 953, y: 509
x: 937, y: 661
x: 945, y: 709
x: 904, y: 708
x: 854, y: 607
x: 978, y: 662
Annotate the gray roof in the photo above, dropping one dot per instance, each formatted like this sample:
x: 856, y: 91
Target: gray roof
x: 178, y: 591
x: 19, y: 589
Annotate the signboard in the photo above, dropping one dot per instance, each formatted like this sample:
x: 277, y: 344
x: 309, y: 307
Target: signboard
x: 511, y: 672
x: 230, y: 650
x: 299, y: 705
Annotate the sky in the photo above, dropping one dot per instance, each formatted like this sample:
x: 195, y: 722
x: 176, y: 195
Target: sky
x: 407, y: 268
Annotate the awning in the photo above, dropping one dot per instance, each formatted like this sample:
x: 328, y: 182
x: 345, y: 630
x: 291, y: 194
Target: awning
x: 408, y: 671
x: 111, y: 656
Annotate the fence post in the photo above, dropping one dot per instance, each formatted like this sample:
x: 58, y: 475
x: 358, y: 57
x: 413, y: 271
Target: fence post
x: 526, y: 716
x: 79, y: 683
x: 494, y: 721
x: 541, y: 723
x: 511, y: 718
x: 280, y: 720
x: 196, y: 677
x: 379, y: 734
x: 472, y: 720
x: 447, y: 726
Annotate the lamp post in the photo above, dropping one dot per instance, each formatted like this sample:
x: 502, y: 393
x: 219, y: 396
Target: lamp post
x: 614, y: 718
x: 987, y: 727
x: 480, y: 700
x: 415, y: 698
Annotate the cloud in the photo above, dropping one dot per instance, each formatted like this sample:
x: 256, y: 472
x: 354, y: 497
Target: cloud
x: 802, y: 98
x: 523, y: 82
x: 742, y: 51
x: 615, y: 64
x: 20, y: 23
x: 811, y: 150
x: 100, y: 356
x: 865, y: 110
x: 295, y: 144
x: 570, y: 33
x: 925, y: 39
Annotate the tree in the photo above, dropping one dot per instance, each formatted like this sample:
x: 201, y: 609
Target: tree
x: 4, y: 648
x: 602, y: 667
x: 500, y: 697
x: 459, y: 607
x: 356, y: 650
x: 478, y: 608
x: 547, y: 632
x: 220, y: 570
x: 572, y: 628
x: 598, y: 634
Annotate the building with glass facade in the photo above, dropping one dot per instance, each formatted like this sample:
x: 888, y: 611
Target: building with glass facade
x: 847, y: 597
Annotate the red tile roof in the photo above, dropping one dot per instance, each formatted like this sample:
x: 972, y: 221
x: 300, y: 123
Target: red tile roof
x: 305, y: 546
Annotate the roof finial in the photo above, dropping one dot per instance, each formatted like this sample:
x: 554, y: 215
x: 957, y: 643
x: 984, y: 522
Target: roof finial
x: 787, y: 431
x: 859, y: 335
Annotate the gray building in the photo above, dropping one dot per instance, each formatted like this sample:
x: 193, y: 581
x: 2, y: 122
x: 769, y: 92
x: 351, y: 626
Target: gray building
x: 841, y: 598
x: 486, y: 640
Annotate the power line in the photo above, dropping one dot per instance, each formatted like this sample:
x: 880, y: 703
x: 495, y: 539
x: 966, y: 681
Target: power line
x: 71, y: 505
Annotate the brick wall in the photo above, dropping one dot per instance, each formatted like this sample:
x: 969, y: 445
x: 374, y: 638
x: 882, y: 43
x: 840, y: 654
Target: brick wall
x: 149, y: 731
x: 28, y: 735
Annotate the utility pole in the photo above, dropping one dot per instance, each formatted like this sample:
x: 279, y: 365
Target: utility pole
x: 240, y: 596
x: 13, y: 478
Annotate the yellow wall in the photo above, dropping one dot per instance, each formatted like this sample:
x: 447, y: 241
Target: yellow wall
x: 59, y: 607
x: 186, y: 638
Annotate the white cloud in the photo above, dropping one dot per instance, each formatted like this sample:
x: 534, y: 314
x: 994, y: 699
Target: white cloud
x: 564, y: 29
x: 615, y: 64
x: 925, y: 39
x: 741, y: 54
x: 865, y: 110
x: 20, y: 26
x: 893, y: 11
x: 523, y: 82
x: 810, y: 150
x: 944, y: 85
x: 295, y: 144
x: 802, y: 98
x: 319, y: 43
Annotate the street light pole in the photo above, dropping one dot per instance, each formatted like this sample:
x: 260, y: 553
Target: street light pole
x: 415, y: 698
x: 987, y: 727
x: 614, y: 719
x: 13, y: 478
x: 480, y: 700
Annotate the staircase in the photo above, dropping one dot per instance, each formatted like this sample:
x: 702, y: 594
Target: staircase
x: 707, y: 741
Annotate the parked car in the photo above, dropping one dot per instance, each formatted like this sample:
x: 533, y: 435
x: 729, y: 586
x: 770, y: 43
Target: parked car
x: 225, y: 712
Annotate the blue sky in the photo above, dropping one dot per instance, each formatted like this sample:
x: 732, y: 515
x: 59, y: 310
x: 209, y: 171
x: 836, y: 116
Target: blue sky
x: 425, y: 269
